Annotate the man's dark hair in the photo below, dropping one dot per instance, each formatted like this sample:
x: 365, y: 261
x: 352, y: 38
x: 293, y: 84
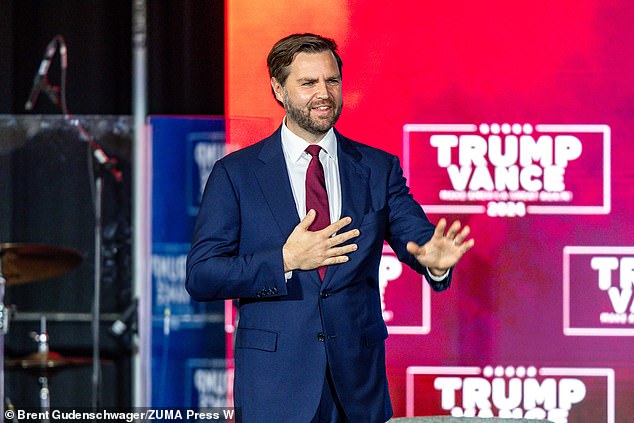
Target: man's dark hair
x: 284, y: 51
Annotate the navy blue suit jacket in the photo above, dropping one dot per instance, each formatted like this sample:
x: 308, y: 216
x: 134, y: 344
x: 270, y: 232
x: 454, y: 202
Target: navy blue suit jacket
x: 289, y: 330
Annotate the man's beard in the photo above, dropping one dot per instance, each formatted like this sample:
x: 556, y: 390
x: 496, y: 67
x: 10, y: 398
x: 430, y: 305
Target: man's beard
x: 301, y: 115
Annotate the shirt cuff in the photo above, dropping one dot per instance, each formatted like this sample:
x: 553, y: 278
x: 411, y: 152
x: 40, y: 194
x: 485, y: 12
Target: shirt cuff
x: 438, y: 278
x: 288, y: 275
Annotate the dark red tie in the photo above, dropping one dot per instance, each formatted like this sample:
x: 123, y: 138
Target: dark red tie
x: 316, y: 195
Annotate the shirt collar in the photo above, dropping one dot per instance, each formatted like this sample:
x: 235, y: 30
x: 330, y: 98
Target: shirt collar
x: 294, y: 146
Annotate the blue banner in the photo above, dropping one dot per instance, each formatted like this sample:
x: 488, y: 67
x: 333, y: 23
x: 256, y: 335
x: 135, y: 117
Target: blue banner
x: 188, y: 345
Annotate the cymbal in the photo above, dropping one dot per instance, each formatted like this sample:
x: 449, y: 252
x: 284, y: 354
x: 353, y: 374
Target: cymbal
x: 45, y: 361
x: 22, y: 263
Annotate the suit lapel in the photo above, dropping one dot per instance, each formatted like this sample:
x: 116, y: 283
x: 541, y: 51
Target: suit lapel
x: 272, y: 176
x: 355, y: 195
x: 354, y: 176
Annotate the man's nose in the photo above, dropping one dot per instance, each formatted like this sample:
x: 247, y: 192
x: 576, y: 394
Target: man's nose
x: 322, y: 89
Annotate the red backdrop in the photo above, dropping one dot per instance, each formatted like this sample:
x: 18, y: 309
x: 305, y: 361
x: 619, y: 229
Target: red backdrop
x: 515, y: 117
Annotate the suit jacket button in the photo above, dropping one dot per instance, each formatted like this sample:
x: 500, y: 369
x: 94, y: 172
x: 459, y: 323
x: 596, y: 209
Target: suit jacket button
x: 321, y: 337
x: 324, y: 294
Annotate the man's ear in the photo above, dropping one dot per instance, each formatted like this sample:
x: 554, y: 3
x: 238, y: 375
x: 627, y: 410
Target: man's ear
x: 278, y: 90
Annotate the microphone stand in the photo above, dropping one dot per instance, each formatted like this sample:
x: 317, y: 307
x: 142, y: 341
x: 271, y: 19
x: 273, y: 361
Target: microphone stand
x: 108, y: 164
x: 58, y: 96
x: 96, y: 307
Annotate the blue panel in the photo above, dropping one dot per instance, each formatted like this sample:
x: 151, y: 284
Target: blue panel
x: 183, y: 331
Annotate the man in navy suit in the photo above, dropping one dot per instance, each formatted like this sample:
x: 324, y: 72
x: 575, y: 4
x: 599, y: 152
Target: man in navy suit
x: 310, y: 347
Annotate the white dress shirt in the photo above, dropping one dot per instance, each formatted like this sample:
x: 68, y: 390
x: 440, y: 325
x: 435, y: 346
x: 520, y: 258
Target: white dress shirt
x: 297, y: 160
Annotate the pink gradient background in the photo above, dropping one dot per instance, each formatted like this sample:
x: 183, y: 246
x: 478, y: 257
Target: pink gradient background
x: 539, y: 62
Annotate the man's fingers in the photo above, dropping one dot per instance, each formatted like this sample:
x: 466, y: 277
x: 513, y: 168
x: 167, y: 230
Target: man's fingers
x: 338, y: 255
x: 414, y: 248
x: 440, y: 228
x: 459, y: 239
x: 307, y: 220
x: 343, y: 237
x: 467, y: 245
x: 335, y: 227
x: 336, y: 260
x: 340, y: 251
x: 453, y: 229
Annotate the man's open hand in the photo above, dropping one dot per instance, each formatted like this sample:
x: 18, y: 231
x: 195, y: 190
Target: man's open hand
x: 443, y: 251
x: 308, y: 250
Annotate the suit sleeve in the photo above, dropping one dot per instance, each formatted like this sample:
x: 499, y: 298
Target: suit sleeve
x: 408, y: 222
x: 216, y: 268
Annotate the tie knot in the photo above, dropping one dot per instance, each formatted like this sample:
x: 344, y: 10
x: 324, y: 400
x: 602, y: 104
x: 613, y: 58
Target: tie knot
x: 313, y: 150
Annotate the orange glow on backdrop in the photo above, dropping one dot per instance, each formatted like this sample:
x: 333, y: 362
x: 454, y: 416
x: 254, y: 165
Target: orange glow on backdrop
x: 482, y: 77
x: 252, y: 29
